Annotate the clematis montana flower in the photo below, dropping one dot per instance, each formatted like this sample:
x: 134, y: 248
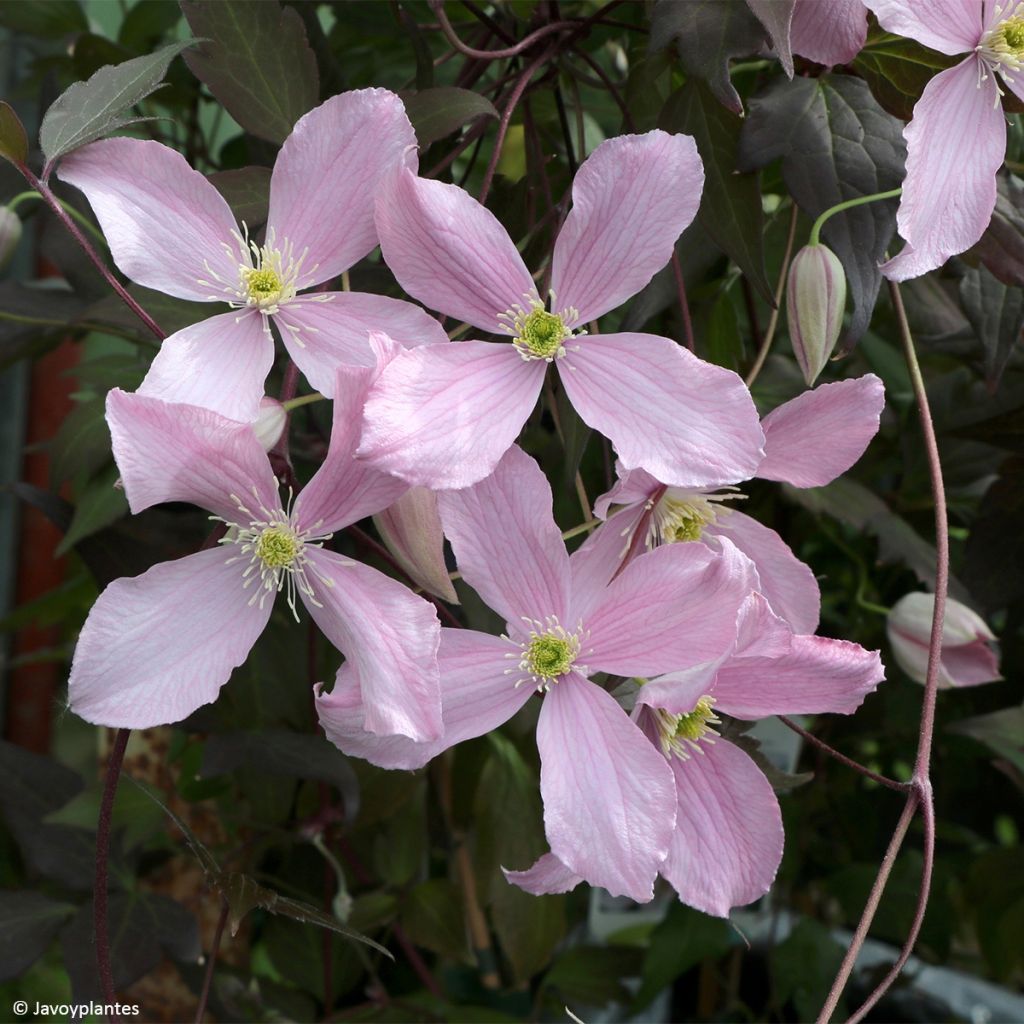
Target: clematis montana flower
x: 168, y: 228
x: 609, y: 804
x: 442, y: 416
x: 727, y: 842
x: 158, y: 646
x: 950, y: 190
x: 809, y: 441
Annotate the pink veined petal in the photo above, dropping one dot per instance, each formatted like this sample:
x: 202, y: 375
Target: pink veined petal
x: 546, y: 875
x: 184, y: 453
x: 319, y: 335
x: 631, y: 199
x: 820, y: 434
x: 448, y: 251
x: 220, y: 364
x: 669, y: 609
x: 326, y: 176
x: 608, y: 794
x: 829, y: 32
x: 476, y: 696
x: 760, y: 632
x: 818, y: 675
x: 970, y: 664
x: 728, y: 839
x: 949, y: 191
x: 685, y: 421
x: 345, y: 489
x: 389, y: 634
x: 506, y: 543
x: 787, y: 582
x: 157, y: 646
x: 949, y: 26
x: 442, y: 416
x: 632, y: 485
x: 595, y: 562
x: 677, y: 692
x: 167, y: 227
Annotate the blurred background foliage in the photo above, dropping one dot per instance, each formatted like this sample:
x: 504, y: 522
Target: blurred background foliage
x: 413, y: 859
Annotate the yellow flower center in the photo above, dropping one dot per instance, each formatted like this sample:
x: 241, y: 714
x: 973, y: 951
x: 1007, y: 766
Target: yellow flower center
x: 547, y: 653
x: 1012, y: 33
x: 683, y: 734
x: 550, y: 656
x: 262, y: 285
x: 277, y: 547
x: 682, y: 516
x: 1002, y: 49
x: 536, y: 333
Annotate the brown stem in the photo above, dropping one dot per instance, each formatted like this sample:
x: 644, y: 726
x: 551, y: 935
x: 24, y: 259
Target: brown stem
x: 509, y: 51
x: 211, y: 960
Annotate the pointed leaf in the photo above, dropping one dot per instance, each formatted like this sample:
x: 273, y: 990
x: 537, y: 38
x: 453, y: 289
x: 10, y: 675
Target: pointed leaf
x: 13, y: 140
x: 28, y: 923
x: 247, y: 191
x: 996, y: 312
x: 435, y: 113
x: 1001, y: 248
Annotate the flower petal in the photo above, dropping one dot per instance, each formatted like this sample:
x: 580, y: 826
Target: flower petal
x: 595, y: 562
x: 820, y: 434
x: 506, y: 543
x: 949, y: 192
x: 389, y: 634
x: 219, y: 364
x: 608, y: 794
x: 442, y: 416
x: 325, y: 330
x: 156, y: 647
x: 727, y: 843
x: 547, y: 875
x: 326, y: 176
x: 477, y: 695
x: 184, y: 453
x: 817, y: 675
x: 828, y: 32
x: 632, y: 486
x: 631, y: 199
x: 970, y: 665
x: 167, y: 227
x: 949, y: 26
x: 685, y: 421
x: 448, y: 251
x: 697, y: 594
x: 788, y: 583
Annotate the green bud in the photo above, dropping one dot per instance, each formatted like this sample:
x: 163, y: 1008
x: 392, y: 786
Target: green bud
x: 815, y: 300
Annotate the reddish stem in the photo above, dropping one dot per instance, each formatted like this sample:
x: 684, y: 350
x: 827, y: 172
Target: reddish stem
x: 509, y: 51
x: 211, y: 961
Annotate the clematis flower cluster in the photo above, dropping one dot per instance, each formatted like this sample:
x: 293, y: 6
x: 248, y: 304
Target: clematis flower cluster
x: 678, y: 613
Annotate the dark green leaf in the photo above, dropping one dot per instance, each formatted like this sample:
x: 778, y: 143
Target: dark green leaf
x: 256, y: 61
x: 594, y: 975
x: 247, y: 191
x: 28, y: 923
x: 836, y: 143
x: 776, y: 16
x: 1001, y: 731
x: 146, y: 23
x: 13, y: 141
x: 1001, y: 248
x: 730, y: 206
x: 170, y: 314
x: 50, y: 20
x: 804, y: 965
x: 99, y: 504
x: 432, y: 915
x: 33, y: 318
x: 435, y: 113
x: 994, y: 567
x: 89, y: 110
x: 722, y: 338
x: 996, y: 312
x: 898, y: 69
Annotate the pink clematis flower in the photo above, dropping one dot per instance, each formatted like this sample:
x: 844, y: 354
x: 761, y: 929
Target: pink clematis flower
x: 950, y: 190
x: 828, y: 32
x: 168, y: 228
x: 158, y: 646
x: 442, y: 416
x: 809, y: 441
x: 609, y: 803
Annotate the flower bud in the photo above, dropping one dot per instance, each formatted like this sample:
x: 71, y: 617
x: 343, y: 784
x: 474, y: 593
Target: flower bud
x: 815, y: 300
x: 10, y: 235
x: 966, y: 657
x: 411, y: 530
x: 269, y: 425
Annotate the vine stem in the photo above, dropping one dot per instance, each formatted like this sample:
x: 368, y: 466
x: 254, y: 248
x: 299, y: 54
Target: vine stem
x: 849, y: 204
x: 204, y: 995
x: 101, y: 924
x: 920, y: 794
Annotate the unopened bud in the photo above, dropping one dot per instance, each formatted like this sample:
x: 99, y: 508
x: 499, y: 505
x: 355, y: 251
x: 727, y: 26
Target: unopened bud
x: 269, y: 425
x: 10, y: 235
x: 966, y: 656
x: 815, y: 300
x: 411, y: 529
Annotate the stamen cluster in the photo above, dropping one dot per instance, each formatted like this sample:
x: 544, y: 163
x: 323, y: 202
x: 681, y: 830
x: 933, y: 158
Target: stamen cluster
x: 548, y: 653
x: 680, y: 735
x: 537, y: 333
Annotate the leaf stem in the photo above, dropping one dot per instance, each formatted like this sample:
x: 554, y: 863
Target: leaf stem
x: 81, y: 218
x: 211, y: 961
x: 848, y: 205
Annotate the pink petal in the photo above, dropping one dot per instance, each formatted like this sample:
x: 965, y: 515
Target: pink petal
x: 949, y: 26
x: 320, y: 335
x: 476, y: 696
x: 970, y: 664
x: 327, y: 174
x: 818, y: 675
x: 160, y: 645
x: 632, y: 486
x: 697, y: 595
x: 389, y: 634
x: 450, y: 252
x: 631, y: 199
x: 608, y: 794
x: 547, y: 875
x: 219, y: 364
x: 443, y: 415
x: 760, y: 632
x: 787, y: 582
x: 728, y: 839
x: 949, y: 191
x: 829, y: 32
x: 820, y: 434
x: 595, y: 562
x: 685, y: 421
x: 506, y: 543
x: 678, y: 692
x: 167, y: 227
x: 184, y: 453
